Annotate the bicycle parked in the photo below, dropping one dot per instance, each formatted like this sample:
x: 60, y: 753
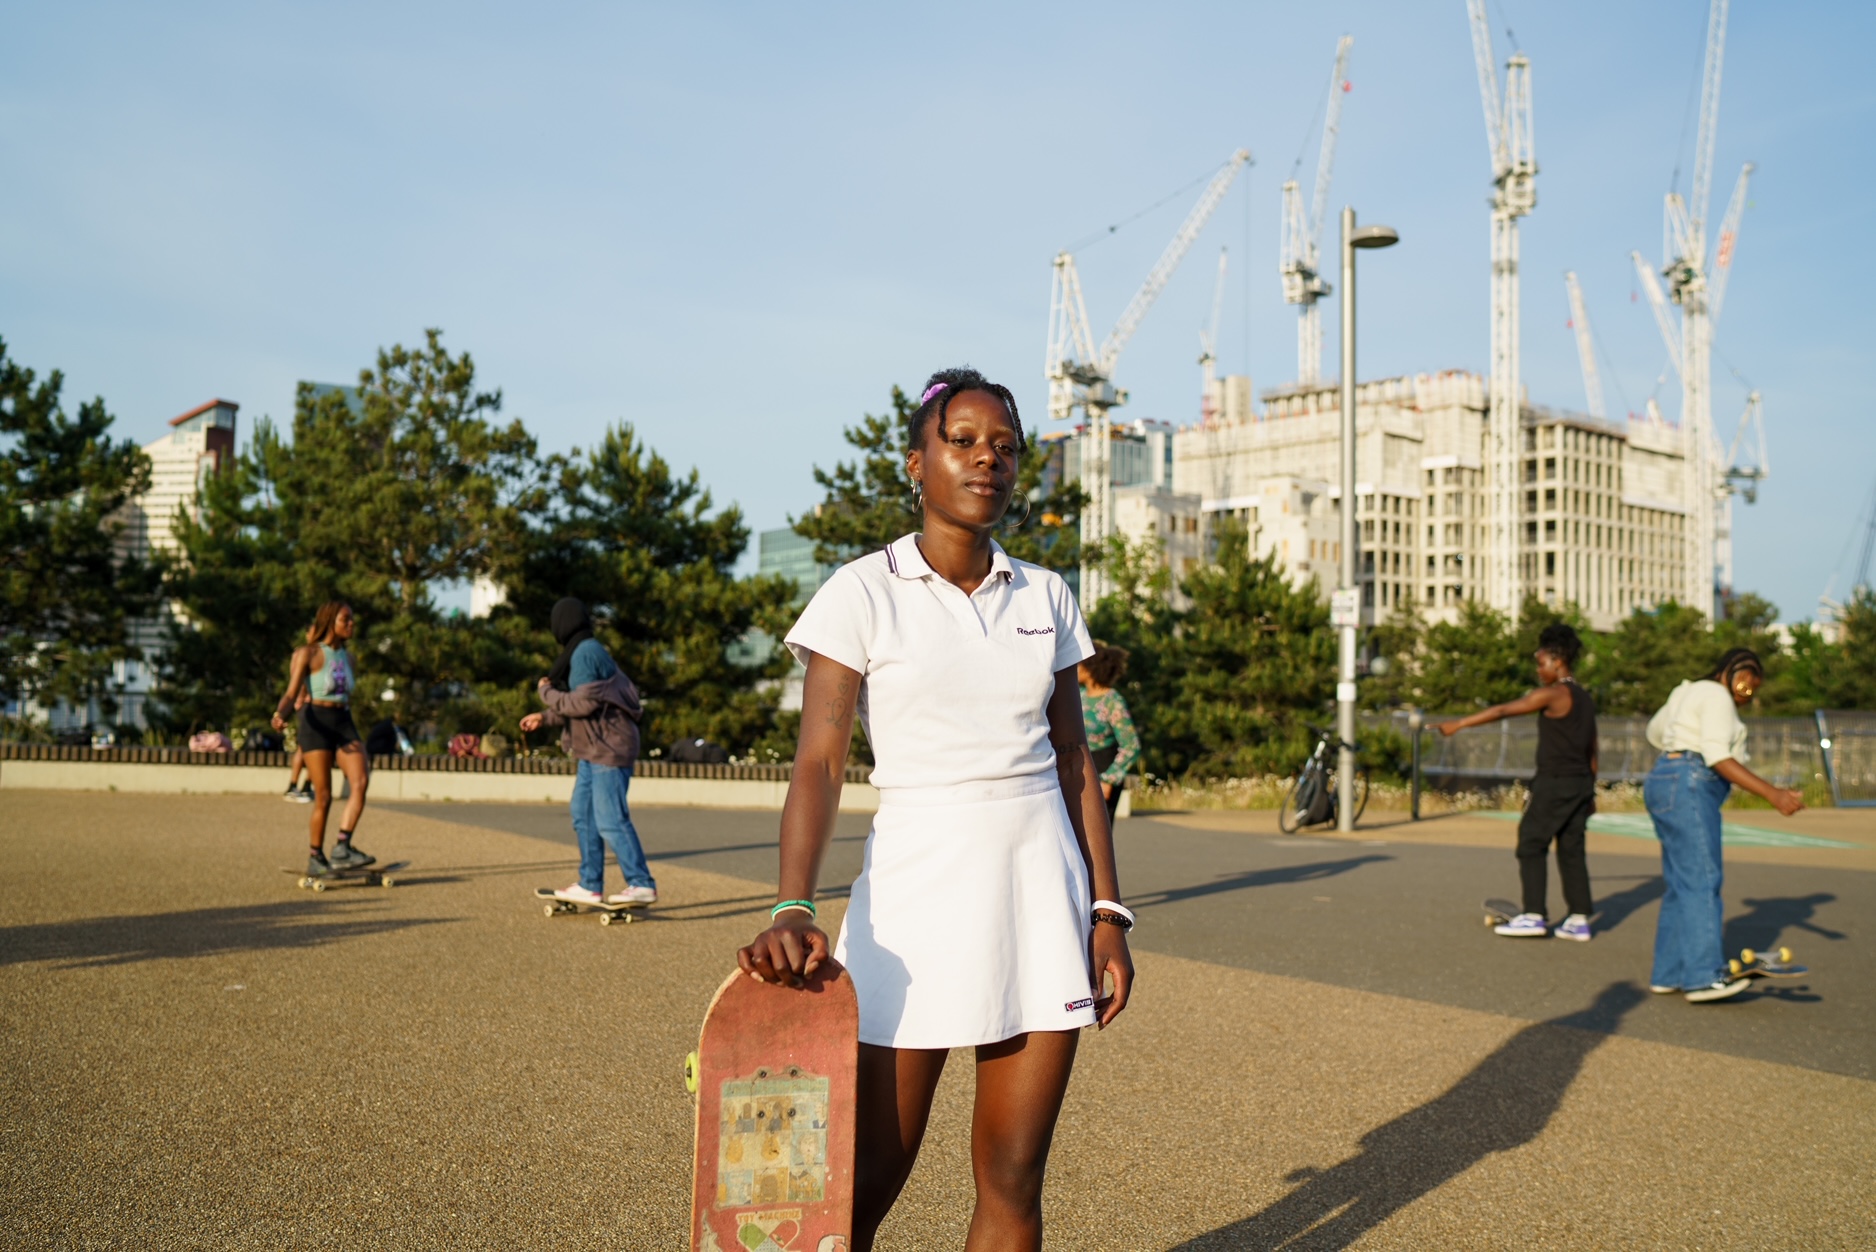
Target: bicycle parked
x: 1310, y: 799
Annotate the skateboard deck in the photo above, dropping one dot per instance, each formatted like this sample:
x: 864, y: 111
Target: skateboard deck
x: 775, y: 1074
x: 373, y: 875
x: 1750, y: 964
x: 1499, y: 911
x: 608, y: 913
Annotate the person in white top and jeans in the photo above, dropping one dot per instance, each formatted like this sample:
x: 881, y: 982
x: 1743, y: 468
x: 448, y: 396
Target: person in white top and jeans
x: 1703, y: 757
x: 987, y: 914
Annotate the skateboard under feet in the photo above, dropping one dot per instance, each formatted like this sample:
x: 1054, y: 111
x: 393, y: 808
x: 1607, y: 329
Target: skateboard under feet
x: 608, y: 913
x: 358, y: 876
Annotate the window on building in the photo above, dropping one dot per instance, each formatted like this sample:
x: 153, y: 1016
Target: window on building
x: 1550, y: 563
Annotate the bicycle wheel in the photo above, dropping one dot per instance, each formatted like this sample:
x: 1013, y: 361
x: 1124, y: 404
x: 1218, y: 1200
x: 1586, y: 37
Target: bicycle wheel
x: 1297, y: 798
x: 1361, y: 790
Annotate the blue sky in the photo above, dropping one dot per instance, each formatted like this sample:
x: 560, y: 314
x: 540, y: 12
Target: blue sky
x: 736, y: 226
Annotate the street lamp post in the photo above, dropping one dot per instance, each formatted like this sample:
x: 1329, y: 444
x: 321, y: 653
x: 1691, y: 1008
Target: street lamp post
x: 1347, y: 601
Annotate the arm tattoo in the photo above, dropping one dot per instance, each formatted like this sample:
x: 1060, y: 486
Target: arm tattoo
x: 837, y: 707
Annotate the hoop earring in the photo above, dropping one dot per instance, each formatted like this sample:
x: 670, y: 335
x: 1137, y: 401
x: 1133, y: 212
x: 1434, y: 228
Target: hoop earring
x: 1025, y: 517
x: 918, y: 493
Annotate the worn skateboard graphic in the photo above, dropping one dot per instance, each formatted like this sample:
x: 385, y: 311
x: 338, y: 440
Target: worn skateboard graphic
x: 1750, y: 964
x: 1499, y: 911
x: 608, y: 913
x: 373, y: 875
x: 775, y: 1074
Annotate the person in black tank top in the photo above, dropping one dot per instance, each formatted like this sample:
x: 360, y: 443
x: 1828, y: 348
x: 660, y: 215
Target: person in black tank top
x: 1563, y: 794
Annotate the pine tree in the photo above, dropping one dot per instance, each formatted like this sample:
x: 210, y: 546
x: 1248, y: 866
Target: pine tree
x: 68, y: 593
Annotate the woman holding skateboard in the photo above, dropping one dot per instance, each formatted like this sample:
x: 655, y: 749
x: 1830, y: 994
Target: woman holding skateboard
x: 1703, y: 754
x: 1563, y: 794
x: 987, y: 913
x: 320, y: 684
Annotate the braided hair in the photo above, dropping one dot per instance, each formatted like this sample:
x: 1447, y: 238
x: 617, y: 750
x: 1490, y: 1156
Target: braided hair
x: 1735, y: 661
x: 941, y: 388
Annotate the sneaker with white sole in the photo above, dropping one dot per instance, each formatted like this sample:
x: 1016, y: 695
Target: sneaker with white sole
x: 1575, y: 926
x: 1524, y: 926
x: 1662, y: 991
x: 576, y: 894
x: 634, y: 895
x: 1719, y: 989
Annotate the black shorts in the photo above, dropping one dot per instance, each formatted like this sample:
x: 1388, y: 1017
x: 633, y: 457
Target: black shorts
x: 326, y: 729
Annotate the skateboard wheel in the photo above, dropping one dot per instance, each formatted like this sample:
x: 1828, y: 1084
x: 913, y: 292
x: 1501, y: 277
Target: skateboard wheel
x: 690, y: 1073
x: 305, y: 883
x: 605, y: 919
x: 1784, y: 956
x: 1748, y: 956
x: 387, y: 882
x: 548, y: 910
x: 319, y: 884
x: 1735, y: 967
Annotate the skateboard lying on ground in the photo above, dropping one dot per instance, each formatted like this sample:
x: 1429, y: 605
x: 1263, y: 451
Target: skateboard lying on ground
x: 775, y: 1074
x: 608, y: 913
x: 1750, y: 964
x: 373, y: 875
x: 1498, y: 912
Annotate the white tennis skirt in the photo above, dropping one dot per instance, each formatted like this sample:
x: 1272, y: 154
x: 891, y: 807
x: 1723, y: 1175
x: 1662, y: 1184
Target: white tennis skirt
x: 969, y: 922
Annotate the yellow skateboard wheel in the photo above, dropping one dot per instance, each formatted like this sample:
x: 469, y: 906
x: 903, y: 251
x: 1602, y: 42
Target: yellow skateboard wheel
x: 690, y: 1073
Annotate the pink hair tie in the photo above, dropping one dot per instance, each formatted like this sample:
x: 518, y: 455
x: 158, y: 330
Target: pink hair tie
x: 931, y: 391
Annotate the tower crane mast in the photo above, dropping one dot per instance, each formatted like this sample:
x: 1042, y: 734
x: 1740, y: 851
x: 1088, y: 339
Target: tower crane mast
x: 1300, y: 249
x: 1697, y: 283
x: 1585, y: 346
x: 1209, y: 405
x: 1508, y: 137
x: 1080, y: 376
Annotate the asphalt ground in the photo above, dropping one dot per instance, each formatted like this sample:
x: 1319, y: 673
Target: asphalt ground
x: 198, y: 1054
x: 1386, y: 911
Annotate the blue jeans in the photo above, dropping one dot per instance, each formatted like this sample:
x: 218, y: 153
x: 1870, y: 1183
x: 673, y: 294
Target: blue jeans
x: 1684, y: 799
x: 599, y: 813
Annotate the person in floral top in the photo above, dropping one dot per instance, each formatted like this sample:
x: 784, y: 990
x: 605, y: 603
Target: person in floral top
x: 1111, y: 736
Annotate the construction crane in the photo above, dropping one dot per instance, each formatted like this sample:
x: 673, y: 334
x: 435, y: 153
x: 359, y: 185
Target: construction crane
x: 1696, y: 282
x: 1585, y: 346
x: 1082, y: 376
x: 1210, y: 401
x: 1514, y: 194
x: 1299, y: 250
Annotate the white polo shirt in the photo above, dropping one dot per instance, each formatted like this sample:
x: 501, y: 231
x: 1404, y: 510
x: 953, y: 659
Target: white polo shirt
x: 955, y: 688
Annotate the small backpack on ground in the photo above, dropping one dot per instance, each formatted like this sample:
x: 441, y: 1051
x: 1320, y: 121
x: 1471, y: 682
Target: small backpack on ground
x: 697, y: 752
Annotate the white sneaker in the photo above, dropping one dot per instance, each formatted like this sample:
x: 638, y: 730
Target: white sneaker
x: 1720, y: 989
x: 1575, y: 926
x: 1524, y: 926
x: 1662, y: 991
x: 634, y: 895
x: 576, y: 894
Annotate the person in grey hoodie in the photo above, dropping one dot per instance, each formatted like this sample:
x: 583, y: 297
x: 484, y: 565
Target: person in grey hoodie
x: 597, y: 707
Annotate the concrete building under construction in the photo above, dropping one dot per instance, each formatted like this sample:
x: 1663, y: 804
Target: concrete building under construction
x: 1600, y: 523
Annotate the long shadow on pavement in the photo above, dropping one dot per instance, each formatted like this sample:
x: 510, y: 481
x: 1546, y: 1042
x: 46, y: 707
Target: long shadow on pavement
x: 1613, y: 910
x: 1504, y: 1103
x: 1257, y: 878
x: 93, y: 942
x: 1764, y: 926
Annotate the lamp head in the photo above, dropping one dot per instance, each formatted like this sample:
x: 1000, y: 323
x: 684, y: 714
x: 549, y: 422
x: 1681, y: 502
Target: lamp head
x: 1374, y: 237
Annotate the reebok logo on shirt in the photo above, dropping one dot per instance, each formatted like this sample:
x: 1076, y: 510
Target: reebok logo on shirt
x: 1046, y: 630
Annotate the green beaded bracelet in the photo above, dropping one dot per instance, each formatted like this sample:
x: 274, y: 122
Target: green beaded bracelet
x: 793, y: 904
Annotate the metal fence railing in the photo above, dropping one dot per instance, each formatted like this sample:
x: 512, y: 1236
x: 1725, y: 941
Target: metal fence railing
x: 430, y: 763
x: 1848, y: 741
x: 1783, y: 750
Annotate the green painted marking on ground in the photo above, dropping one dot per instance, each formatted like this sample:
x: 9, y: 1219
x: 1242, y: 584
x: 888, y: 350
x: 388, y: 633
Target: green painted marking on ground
x: 1641, y: 826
